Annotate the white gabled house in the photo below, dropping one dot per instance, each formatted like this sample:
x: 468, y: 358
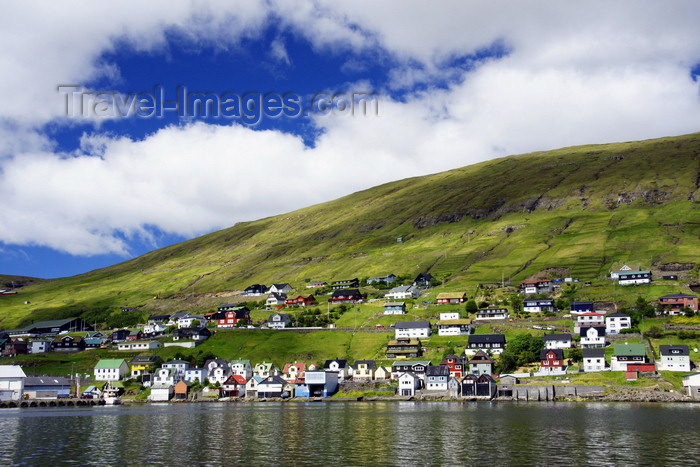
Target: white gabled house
x: 616, y: 322
x: 11, y: 382
x: 412, y: 329
x: 557, y: 341
x: 403, y: 292
x: 593, y: 360
x: 592, y: 337
x: 674, y: 358
x: 111, y: 369
x: 409, y: 383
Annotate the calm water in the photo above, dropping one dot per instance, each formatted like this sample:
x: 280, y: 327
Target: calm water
x: 369, y: 433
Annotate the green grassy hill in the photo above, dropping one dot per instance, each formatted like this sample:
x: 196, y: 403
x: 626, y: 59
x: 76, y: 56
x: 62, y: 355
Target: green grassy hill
x: 583, y: 209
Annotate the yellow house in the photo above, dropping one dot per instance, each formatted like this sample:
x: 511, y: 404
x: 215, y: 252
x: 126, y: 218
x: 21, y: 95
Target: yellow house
x: 142, y: 365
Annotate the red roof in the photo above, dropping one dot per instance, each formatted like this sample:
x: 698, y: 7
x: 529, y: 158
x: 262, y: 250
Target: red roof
x: 240, y: 379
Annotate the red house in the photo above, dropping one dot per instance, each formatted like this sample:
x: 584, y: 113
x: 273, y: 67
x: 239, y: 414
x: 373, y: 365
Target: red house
x: 301, y: 300
x: 674, y: 304
x: 233, y: 317
x: 552, y: 360
x: 451, y: 297
x: 455, y: 364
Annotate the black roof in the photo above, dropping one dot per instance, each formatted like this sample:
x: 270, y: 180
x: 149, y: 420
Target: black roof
x: 584, y: 330
x: 345, y: 292
x: 424, y: 276
x: 593, y: 353
x: 490, y: 338
x: 341, y: 363
x: 437, y: 370
x: 412, y: 324
x: 674, y: 350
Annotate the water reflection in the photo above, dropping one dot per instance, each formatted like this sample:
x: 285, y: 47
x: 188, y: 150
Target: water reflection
x: 381, y: 433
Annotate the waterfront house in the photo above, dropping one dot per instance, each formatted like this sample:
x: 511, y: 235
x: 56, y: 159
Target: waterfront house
x: 293, y: 371
x: 552, y: 361
x: 417, y: 367
x: 446, y: 298
x: 436, y: 378
x: 264, y: 369
x: 627, y: 354
x: 46, y: 387
x: 478, y: 386
x: 692, y: 384
x: 161, y: 392
x: 346, y: 284
x: 318, y: 384
x: 404, y: 347
x: 674, y: 358
x: 242, y: 368
x: 339, y: 366
x: 11, y: 382
x: 454, y: 388
x: 251, y: 387
x: 255, y: 290
x: 578, y: 308
x: 164, y: 377
x: 179, y: 366
x: 272, y: 386
x: 480, y: 364
x: 382, y: 373
x: 424, y: 279
x: 363, y: 370
x: 234, y: 315
x: 403, y: 292
x: 674, y: 304
x: 492, y: 312
x: 234, y: 386
x: 592, y: 337
x: 538, y: 305
x: 454, y: 327
x: 412, y: 329
x: 276, y: 299
x: 195, y: 375
x: 616, y: 322
x: 455, y: 364
x: 182, y: 390
x: 394, y: 308
x: 279, y: 321
x: 593, y: 360
x: 495, y: 343
x: 409, y: 383
x: 557, y: 341
x: 111, y: 369
x: 218, y: 370
x: 346, y: 296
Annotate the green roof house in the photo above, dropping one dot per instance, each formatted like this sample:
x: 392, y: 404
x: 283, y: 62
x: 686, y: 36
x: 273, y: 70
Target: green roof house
x: 625, y: 354
x: 111, y: 369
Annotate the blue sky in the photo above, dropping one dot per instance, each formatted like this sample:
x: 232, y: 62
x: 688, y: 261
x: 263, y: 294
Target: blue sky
x: 459, y: 85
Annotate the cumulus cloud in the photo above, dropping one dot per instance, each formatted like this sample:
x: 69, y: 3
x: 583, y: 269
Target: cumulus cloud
x: 568, y: 74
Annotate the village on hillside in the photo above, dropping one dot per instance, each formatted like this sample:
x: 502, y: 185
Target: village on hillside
x: 584, y: 338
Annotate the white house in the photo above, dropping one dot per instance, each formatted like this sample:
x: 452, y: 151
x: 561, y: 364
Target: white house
x: 111, y: 369
x: 281, y: 288
x: 616, y: 322
x: 492, y: 312
x: 538, y: 305
x: 436, y: 378
x: 409, y: 383
x: 138, y: 345
x: 161, y: 392
x: 11, y: 382
x: 454, y: 327
x: 164, y: 377
x: 557, y: 341
x: 180, y: 366
x: 279, y: 321
x: 692, y: 383
x: 340, y: 366
x: 195, y: 374
x: 186, y: 321
x: 403, y: 292
x: 592, y: 337
x: 449, y: 315
x: 241, y: 368
x: 153, y: 329
x: 39, y: 346
x: 634, y: 277
x: 593, y: 360
x: 412, y: 329
x: 674, y: 358
x: 395, y: 308
x: 275, y: 299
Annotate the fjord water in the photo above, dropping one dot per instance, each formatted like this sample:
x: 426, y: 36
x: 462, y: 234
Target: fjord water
x: 353, y: 433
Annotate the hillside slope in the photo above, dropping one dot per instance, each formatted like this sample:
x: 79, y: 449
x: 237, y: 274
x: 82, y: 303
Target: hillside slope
x: 584, y: 208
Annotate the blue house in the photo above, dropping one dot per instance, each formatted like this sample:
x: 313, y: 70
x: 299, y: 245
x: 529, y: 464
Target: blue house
x: 318, y: 384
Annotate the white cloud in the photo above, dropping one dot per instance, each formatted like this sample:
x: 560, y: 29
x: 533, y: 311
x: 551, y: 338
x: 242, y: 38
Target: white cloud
x: 574, y: 73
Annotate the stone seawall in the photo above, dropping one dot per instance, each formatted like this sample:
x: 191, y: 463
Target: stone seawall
x: 548, y: 392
